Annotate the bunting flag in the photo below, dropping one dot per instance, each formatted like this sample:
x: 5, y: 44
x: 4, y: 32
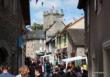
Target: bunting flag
x: 42, y: 3
x: 36, y: 1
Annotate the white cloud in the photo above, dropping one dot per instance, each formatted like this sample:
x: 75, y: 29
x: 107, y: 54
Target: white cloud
x: 39, y: 14
x: 70, y: 3
x: 38, y: 17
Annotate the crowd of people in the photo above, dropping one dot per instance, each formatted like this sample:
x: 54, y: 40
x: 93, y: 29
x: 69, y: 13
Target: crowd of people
x: 46, y: 69
x: 70, y: 71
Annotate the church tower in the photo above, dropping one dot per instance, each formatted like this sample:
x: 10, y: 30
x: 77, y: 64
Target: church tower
x: 50, y: 17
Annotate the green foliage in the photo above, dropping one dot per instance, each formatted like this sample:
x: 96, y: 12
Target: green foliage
x: 36, y: 26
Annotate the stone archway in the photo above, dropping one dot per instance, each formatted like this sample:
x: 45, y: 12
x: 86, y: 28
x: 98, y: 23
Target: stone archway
x: 3, y: 55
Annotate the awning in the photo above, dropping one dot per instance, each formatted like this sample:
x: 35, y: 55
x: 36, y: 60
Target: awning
x: 74, y: 58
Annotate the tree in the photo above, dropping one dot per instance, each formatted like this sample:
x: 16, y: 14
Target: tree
x: 36, y: 26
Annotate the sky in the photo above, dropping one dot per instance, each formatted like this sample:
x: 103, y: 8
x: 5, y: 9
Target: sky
x: 71, y: 13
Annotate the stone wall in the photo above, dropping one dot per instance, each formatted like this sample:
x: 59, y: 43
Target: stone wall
x: 10, y: 23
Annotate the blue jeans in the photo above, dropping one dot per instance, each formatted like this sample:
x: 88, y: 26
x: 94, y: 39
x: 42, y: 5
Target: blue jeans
x: 47, y: 74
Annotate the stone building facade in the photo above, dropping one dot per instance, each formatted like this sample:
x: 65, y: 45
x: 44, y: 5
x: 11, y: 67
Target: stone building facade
x: 53, y: 23
x: 70, y: 42
x: 97, y: 27
x: 35, y: 43
x: 14, y: 15
x: 76, y: 39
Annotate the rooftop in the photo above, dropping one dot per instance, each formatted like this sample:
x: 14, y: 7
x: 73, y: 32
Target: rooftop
x: 77, y: 36
x: 37, y: 35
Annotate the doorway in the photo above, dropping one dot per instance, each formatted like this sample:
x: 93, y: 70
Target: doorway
x: 3, y: 55
x: 106, y: 58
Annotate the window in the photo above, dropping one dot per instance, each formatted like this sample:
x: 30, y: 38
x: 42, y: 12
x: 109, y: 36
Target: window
x: 84, y: 61
x: 64, y: 39
x: 60, y: 40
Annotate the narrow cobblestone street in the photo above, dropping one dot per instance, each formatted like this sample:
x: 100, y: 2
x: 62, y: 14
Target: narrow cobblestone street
x: 54, y: 38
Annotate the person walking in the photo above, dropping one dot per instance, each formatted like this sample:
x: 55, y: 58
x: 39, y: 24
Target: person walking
x: 23, y: 71
x: 61, y: 71
x: 5, y: 72
x: 38, y: 73
x: 48, y: 69
x: 78, y: 71
x: 85, y: 73
x: 71, y: 70
x: 56, y: 72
